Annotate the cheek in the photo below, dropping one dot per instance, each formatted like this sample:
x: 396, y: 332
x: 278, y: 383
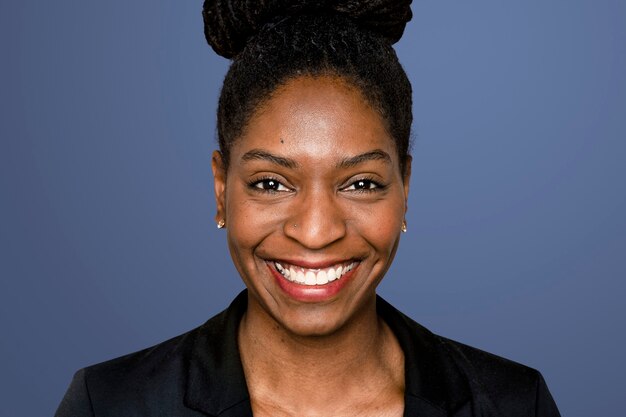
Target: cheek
x: 380, y: 224
x: 249, y: 223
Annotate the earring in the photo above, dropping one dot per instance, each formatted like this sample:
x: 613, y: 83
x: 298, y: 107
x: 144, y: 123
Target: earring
x: 221, y: 224
x: 403, y: 228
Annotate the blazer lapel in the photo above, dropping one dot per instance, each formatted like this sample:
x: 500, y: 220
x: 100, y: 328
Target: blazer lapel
x: 216, y: 383
x: 434, y: 385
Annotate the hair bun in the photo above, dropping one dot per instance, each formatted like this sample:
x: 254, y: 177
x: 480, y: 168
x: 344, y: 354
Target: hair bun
x: 228, y: 24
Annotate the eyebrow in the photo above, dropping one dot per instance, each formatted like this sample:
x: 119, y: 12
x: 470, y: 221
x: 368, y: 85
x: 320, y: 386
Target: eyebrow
x: 375, y: 155
x: 258, y: 154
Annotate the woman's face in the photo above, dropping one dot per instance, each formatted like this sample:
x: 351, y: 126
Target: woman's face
x: 313, y: 200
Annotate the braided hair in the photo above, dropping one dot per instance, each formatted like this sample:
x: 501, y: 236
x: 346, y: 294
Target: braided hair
x: 273, y: 41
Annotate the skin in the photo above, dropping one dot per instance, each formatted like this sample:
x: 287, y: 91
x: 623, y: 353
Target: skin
x: 315, y: 180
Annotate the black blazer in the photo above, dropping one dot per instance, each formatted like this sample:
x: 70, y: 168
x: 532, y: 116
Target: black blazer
x: 199, y: 374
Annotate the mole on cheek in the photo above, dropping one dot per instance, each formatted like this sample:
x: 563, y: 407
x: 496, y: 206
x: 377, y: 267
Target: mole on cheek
x: 281, y: 140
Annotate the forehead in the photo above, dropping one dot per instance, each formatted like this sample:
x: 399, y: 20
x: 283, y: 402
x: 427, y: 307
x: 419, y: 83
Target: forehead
x: 316, y: 117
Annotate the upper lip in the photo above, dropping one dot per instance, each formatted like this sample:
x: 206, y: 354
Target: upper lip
x: 308, y: 264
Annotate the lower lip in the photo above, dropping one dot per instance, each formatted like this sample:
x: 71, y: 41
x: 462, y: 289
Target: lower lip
x: 311, y: 293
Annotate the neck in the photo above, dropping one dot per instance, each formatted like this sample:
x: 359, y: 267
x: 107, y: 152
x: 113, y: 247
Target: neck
x: 355, y: 360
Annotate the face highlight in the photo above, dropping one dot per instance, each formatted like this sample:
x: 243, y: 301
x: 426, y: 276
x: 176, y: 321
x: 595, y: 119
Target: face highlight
x: 314, y: 199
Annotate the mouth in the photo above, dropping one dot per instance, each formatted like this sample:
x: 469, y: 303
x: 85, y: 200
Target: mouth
x: 313, y: 276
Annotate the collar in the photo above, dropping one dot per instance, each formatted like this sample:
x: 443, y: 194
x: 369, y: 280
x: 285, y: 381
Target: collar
x: 434, y: 385
x: 216, y: 385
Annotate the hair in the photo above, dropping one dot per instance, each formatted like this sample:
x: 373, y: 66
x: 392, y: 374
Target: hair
x: 273, y: 41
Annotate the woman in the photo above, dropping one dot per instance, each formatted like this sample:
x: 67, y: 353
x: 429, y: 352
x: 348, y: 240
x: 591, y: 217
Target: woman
x: 311, y: 185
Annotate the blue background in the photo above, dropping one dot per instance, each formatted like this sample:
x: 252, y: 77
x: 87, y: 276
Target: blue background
x: 517, y: 232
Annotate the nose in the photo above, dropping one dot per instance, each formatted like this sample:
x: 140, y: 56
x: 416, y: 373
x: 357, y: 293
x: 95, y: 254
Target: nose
x: 316, y: 220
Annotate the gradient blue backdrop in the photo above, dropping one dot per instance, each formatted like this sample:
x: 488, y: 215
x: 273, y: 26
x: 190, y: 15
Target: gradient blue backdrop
x: 517, y: 232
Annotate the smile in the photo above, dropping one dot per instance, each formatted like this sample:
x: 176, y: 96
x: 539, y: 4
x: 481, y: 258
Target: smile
x: 306, y: 276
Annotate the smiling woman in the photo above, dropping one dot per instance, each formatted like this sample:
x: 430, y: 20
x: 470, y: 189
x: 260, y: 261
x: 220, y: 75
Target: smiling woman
x: 311, y: 185
x: 314, y: 200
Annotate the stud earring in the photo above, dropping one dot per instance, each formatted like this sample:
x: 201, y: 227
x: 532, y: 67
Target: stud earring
x: 403, y: 228
x: 221, y: 224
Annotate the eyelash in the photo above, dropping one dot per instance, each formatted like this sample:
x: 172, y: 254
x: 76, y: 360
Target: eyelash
x: 254, y: 185
x: 377, y: 187
x: 373, y: 186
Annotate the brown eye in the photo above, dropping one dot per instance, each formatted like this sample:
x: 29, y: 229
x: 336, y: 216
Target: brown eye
x: 269, y: 184
x: 363, y: 185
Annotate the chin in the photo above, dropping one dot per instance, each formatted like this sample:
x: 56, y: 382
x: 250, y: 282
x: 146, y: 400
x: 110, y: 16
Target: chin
x: 317, y: 319
x: 311, y: 324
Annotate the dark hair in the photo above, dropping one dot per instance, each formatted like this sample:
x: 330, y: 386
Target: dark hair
x: 273, y: 41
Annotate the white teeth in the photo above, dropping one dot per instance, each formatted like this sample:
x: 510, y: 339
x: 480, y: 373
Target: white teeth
x: 331, y: 275
x: 321, y: 278
x: 313, y: 277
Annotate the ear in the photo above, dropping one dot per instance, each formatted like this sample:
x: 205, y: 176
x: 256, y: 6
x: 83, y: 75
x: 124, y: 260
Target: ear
x: 219, y: 185
x: 407, y: 180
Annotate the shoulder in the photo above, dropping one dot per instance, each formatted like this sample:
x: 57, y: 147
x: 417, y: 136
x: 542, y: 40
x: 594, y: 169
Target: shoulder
x: 176, y: 377
x: 131, y: 369
x: 147, y: 382
x: 506, y: 386
x: 455, y: 376
x: 489, y: 369
x: 143, y: 380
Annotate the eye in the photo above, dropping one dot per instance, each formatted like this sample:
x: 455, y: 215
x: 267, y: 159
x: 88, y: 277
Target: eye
x: 269, y: 185
x: 363, y: 185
